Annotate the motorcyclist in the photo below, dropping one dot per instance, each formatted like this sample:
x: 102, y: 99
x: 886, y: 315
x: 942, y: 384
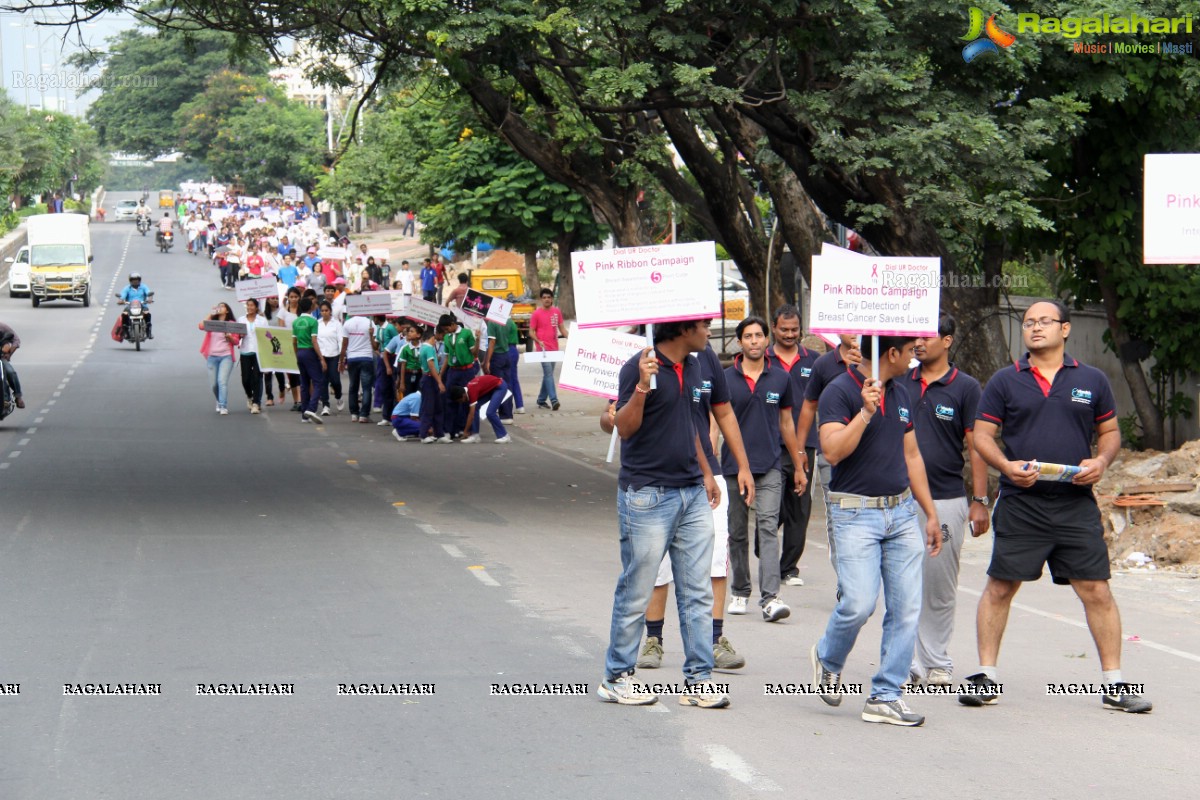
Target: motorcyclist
x: 9, y: 342
x: 164, y: 226
x: 135, y: 291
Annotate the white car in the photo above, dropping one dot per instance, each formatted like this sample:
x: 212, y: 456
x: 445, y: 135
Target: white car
x: 125, y: 210
x: 18, y: 273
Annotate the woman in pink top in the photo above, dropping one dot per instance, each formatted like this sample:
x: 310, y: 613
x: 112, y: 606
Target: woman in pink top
x: 220, y: 350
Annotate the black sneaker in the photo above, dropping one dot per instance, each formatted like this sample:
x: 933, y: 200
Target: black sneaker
x: 1126, y: 700
x: 985, y: 691
x: 554, y: 404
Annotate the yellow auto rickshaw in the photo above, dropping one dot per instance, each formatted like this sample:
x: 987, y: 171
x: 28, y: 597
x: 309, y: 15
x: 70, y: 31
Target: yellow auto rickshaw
x: 166, y: 199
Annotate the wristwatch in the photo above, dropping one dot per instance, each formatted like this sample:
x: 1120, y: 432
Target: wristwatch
x: 983, y: 501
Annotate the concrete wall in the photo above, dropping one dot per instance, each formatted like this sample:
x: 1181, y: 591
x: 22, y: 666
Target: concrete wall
x: 12, y: 241
x: 1087, y: 344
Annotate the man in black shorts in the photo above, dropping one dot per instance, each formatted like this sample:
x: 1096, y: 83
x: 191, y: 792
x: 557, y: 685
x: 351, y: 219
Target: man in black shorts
x: 1049, y: 405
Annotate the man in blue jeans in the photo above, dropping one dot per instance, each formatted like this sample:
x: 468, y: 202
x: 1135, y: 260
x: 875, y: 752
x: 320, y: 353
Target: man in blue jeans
x: 867, y: 435
x: 664, y: 505
x: 545, y: 326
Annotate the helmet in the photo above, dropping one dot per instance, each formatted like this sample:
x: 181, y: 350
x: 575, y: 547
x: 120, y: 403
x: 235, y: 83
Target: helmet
x: 135, y: 276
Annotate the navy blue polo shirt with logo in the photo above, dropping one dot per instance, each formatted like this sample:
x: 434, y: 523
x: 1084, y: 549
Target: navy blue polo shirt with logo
x: 756, y: 404
x: 663, y: 451
x: 1049, y: 423
x: 877, y: 467
x: 942, y: 416
x: 800, y: 371
x: 713, y: 392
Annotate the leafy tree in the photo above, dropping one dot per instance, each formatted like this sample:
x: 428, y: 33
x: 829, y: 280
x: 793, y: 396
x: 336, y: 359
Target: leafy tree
x: 269, y: 142
x: 148, y: 74
x: 201, y: 120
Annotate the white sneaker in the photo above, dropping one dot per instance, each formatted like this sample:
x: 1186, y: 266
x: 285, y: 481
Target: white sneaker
x: 504, y: 439
x: 224, y: 412
x: 254, y: 409
x: 324, y: 411
x: 217, y: 407
x: 508, y: 421
x: 428, y: 440
x: 384, y: 422
x: 704, y: 695
x: 794, y: 580
x: 396, y: 435
x: 737, y: 605
x: 472, y: 439
x: 445, y: 439
x: 775, y: 610
x: 521, y: 410
x: 354, y: 418
x: 939, y: 677
x: 313, y: 416
x: 341, y: 403
x: 626, y: 690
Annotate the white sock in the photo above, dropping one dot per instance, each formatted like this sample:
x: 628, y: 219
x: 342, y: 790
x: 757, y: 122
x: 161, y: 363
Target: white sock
x: 990, y: 672
x: 1112, y: 676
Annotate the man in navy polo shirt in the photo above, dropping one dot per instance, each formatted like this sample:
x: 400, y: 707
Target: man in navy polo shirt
x: 1049, y: 406
x: 846, y: 356
x: 713, y: 406
x: 794, y: 509
x: 664, y: 501
x: 944, y: 400
x: 761, y: 395
x: 867, y: 435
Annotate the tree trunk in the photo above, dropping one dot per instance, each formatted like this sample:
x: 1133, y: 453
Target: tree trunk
x: 566, y: 276
x: 533, y: 283
x: 1143, y: 402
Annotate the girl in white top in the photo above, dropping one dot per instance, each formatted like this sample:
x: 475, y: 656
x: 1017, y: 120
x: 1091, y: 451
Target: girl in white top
x: 329, y: 342
x: 252, y: 379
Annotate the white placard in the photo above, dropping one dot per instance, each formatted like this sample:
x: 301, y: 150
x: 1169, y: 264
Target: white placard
x: 424, y: 311
x: 216, y: 196
x: 256, y: 287
x: 292, y: 193
x: 499, y: 311
x: 875, y: 296
x: 368, y: 304
x: 400, y: 302
x: 593, y: 359
x: 469, y: 321
x: 1171, y: 208
x: 538, y: 356
x: 379, y: 254
x: 248, y: 201
x: 638, y: 285
x: 332, y: 253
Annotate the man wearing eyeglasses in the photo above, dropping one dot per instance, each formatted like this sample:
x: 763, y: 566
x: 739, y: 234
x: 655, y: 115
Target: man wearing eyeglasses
x: 1049, y: 406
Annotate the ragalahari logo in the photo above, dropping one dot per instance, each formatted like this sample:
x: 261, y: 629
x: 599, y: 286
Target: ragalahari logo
x: 984, y: 37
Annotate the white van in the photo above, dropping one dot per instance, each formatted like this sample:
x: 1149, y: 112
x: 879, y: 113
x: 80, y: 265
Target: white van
x: 60, y: 257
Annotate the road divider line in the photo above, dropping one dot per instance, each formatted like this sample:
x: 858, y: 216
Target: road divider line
x: 725, y: 760
x: 432, y: 531
x: 453, y: 551
x: 481, y: 573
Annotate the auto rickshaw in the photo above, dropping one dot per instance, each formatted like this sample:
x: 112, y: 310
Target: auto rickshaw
x: 166, y: 199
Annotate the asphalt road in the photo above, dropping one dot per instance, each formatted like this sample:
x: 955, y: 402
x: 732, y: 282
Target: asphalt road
x: 146, y: 540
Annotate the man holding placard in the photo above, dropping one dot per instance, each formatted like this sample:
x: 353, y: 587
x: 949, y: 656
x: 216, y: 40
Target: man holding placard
x: 877, y: 471
x: 664, y: 501
x: 545, y: 326
x: 1049, y: 406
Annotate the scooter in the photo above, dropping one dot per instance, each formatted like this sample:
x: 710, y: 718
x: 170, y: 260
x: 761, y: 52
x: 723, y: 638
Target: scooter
x: 143, y: 225
x: 166, y: 240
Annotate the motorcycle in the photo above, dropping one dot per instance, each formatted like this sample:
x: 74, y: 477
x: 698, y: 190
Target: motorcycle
x: 135, y: 331
x: 143, y: 225
x: 166, y: 240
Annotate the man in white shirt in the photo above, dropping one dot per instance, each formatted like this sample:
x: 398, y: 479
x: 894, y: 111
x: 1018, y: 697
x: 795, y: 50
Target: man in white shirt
x: 358, y: 359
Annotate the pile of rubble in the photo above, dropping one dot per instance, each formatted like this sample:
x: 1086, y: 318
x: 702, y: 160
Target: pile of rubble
x: 1150, y: 505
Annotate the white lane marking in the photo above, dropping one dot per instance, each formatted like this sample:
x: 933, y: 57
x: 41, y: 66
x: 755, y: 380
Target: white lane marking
x: 369, y: 478
x: 31, y: 430
x: 484, y: 578
x: 23, y: 442
x: 40, y: 420
x: 14, y: 454
x: 722, y: 758
x: 1060, y: 618
x: 4, y: 465
x: 432, y: 531
x: 571, y: 647
x: 453, y: 551
x: 658, y: 708
x: 57, y: 394
x: 51, y: 402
